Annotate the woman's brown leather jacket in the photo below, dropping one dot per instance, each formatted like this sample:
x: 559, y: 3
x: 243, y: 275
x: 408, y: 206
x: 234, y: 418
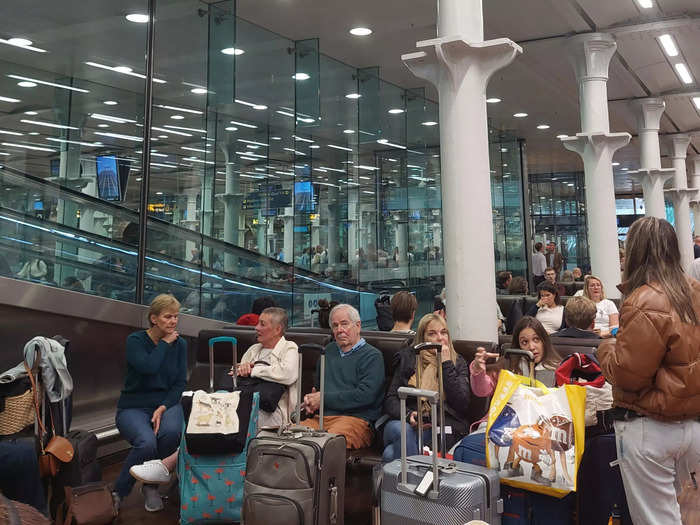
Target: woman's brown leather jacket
x: 654, y: 364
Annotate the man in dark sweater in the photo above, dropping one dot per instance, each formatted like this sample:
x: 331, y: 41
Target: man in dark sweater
x: 354, y: 382
x: 580, y: 315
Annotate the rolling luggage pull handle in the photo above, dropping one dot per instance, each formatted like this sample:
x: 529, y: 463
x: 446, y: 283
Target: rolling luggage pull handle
x: 529, y: 356
x: 419, y: 418
x: 212, y: 342
x: 403, y: 393
x: 321, y: 350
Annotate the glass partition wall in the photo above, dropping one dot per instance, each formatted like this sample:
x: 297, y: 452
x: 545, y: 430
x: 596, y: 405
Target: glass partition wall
x: 274, y: 169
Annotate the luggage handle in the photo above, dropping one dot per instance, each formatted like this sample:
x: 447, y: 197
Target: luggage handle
x: 322, y: 380
x: 212, y: 342
x: 438, y: 351
x: 527, y: 355
x: 403, y: 393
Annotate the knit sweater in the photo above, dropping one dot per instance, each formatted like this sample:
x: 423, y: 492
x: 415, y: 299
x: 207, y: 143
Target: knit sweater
x: 354, y: 384
x: 155, y: 374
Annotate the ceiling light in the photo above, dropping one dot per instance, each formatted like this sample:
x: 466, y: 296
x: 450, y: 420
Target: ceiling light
x: 176, y: 117
x: 103, y: 125
x: 7, y: 132
x: 172, y: 131
x: 624, y: 169
x: 259, y: 107
x: 137, y: 18
x: 645, y: 4
x: 11, y: 144
x: 162, y: 136
x: 669, y: 45
x: 199, y: 150
x: 176, y: 108
x: 231, y: 128
x: 353, y: 96
x: 9, y: 99
x: 22, y: 43
x: 47, y: 124
x: 275, y: 138
x: 53, y: 139
x: 396, y: 111
x: 562, y: 136
x: 615, y: 163
x: 314, y: 146
x: 301, y: 76
x: 504, y: 150
x: 232, y: 51
x: 493, y: 100
x: 349, y: 131
x: 110, y: 102
x: 34, y: 81
x: 520, y: 115
x: 339, y: 147
x: 159, y: 193
x: 125, y: 70
x: 683, y: 72
x: 430, y: 123
x: 361, y: 31
x: 696, y: 101
x: 110, y: 118
x: 387, y: 143
x: 253, y: 142
x: 243, y: 124
x: 250, y: 104
x: 198, y: 91
x: 193, y: 130
x: 302, y: 139
x: 26, y: 83
x: 119, y: 136
x: 543, y: 126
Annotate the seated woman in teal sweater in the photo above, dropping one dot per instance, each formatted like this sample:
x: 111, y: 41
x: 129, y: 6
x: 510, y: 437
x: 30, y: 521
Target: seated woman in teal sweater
x: 149, y: 415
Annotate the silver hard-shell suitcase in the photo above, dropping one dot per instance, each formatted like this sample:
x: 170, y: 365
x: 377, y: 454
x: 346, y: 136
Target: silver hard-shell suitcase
x: 457, y: 493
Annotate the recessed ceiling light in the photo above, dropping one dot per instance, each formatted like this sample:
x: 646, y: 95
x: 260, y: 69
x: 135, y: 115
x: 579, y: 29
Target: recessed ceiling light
x: 275, y: 138
x: 162, y: 136
x: 645, y: 4
x: 26, y: 83
x: 504, y: 150
x: 624, y: 169
x: 696, y: 101
x: 31, y: 113
x: 493, y: 100
x: 138, y: 18
x: 232, y: 51
x: 123, y: 69
x: 396, y: 111
x: 562, y: 136
x: 232, y: 128
x: 198, y: 91
x: 520, y: 115
x: 669, y: 45
x: 176, y: 117
x: 10, y: 99
x: 314, y: 146
x: 301, y: 76
x: 103, y: 125
x: 429, y: 123
x: 159, y: 193
x: 33, y: 133
x: 353, y: 96
x: 260, y: 107
x: 543, y: 126
x: 21, y: 42
x: 110, y: 102
x: 349, y: 131
x: 615, y: 163
x: 683, y: 72
x: 361, y: 31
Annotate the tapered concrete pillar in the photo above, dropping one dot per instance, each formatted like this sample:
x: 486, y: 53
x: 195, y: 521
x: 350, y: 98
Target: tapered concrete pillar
x: 590, y: 56
x: 459, y: 63
x: 232, y: 199
x: 694, y: 183
x: 650, y: 174
x: 680, y: 195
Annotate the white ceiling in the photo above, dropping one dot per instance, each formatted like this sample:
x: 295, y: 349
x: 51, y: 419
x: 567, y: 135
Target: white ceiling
x: 540, y: 82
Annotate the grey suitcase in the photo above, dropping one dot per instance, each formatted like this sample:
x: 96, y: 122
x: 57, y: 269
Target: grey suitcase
x: 456, y: 494
x: 296, y: 476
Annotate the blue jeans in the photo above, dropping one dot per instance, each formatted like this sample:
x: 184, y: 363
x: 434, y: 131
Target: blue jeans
x: 392, y: 440
x: 19, y: 474
x: 134, y: 424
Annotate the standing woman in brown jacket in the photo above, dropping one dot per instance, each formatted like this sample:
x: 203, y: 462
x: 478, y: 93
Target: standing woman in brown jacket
x: 654, y: 367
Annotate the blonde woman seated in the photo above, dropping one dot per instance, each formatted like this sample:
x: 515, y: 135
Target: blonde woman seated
x: 607, y: 317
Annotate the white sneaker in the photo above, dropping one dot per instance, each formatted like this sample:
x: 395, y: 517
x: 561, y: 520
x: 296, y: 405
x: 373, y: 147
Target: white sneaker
x: 153, y: 472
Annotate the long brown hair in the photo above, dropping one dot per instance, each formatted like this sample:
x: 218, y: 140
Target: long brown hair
x: 653, y: 257
x: 550, y: 358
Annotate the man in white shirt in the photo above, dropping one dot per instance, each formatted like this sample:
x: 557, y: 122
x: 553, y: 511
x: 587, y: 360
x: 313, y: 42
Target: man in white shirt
x: 539, y: 264
x: 273, y: 359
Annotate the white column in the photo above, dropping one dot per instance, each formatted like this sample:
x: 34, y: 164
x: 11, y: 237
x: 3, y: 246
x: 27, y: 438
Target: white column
x: 694, y: 181
x: 190, y: 222
x: 459, y: 63
x: 232, y: 206
x: 650, y: 174
x: 261, y: 238
x: 681, y: 195
x: 590, y: 56
x: 332, y: 214
x: 288, y: 245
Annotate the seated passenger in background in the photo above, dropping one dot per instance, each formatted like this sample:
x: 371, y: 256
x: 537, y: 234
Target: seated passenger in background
x: 518, y: 286
x: 455, y: 372
x: 503, y: 280
x: 578, y: 275
x: 567, y: 281
x: 403, y: 310
x: 256, y: 309
x: 149, y: 414
x: 548, y: 310
x: 580, y: 314
x: 354, y: 382
x: 550, y: 275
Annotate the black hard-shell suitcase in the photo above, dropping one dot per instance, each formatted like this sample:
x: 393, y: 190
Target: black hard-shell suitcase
x: 296, y: 476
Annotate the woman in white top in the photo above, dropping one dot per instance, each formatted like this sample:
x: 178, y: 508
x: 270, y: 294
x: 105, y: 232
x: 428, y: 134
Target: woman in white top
x: 607, y: 316
x: 548, y: 309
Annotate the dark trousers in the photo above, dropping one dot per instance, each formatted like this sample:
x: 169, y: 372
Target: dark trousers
x: 19, y: 473
x: 134, y: 425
